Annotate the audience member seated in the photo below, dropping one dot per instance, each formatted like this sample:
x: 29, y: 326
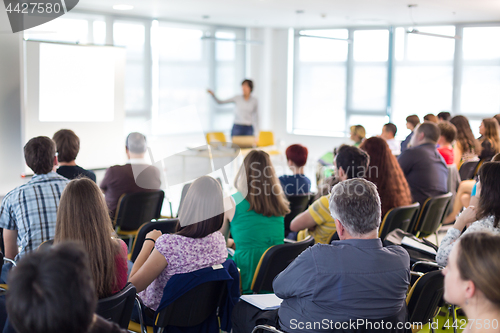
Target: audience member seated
x: 350, y: 279
x: 388, y: 133
x: 68, y: 146
x: 471, y: 280
x: 466, y: 146
x: 490, y: 139
x: 122, y: 179
x: 358, y: 134
x: 484, y: 217
x: 83, y: 217
x: 198, y: 244
x: 384, y: 171
x: 28, y: 213
x: 444, y: 116
x: 351, y: 162
x: 446, y: 138
x: 432, y: 118
x: 424, y: 168
x: 257, y: 222
x: 53, y: 291
x: 411, y: 122
x: 298, y: 183
x: 497, y: 117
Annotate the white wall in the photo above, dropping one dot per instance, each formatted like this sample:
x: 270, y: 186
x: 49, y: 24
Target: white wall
x: 11, y: 154
x: 269, y: 67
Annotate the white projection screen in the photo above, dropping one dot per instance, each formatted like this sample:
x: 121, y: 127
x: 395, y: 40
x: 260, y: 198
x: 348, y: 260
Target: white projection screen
x: 77, y: 87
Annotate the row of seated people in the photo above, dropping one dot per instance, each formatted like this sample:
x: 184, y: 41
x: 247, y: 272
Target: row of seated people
x: 353, y: 278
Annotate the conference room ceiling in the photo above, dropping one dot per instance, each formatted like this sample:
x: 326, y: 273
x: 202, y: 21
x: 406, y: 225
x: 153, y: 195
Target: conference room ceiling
x: 316, y: 13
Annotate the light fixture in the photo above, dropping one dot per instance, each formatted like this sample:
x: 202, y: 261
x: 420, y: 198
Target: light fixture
x: 417, y: 32
x: 123, y: 7
x: 235, y: 40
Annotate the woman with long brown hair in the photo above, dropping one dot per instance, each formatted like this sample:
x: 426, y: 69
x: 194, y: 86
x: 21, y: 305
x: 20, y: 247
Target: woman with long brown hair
x: 385, y: 172
x: 466, y: 147
x: 83, y: 217
x: 490, y: 140
x: 257, y: 220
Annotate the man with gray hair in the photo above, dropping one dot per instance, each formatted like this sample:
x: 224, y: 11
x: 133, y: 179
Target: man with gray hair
x: 135, y: 176
x: 423, y: 166
x: 350, y: 279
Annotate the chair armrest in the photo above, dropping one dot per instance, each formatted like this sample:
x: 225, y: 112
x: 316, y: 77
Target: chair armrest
x: 286, y: 240
x: 266, y: 328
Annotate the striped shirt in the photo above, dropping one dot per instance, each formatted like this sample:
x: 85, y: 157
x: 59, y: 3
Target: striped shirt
x: 320, y: 212
x: 31, y: 209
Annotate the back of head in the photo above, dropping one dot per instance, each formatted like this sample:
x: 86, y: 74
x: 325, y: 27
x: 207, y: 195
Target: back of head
x: 385, y: 172
x: 68, y: 145
x: 432, y: 118
x: 358, y: 130
x: 490, y: 191
x: 448, y: 131
x: 39, y: 154
x: 444, y: 116
x: 413, y: 119
x: 136, y: 143
x: 391, y: 128
x: 202, y: 211
x: 465, y: 137
x: 297, y: 154
x: 492, y: 132
x: 52, y: 291
x: 497, y: 117
x: 478, y: 254
x: 265, y: 193
x: 352, y: 160
x: 430, y: 130
x: 356, y: 204
x: 83, y: 217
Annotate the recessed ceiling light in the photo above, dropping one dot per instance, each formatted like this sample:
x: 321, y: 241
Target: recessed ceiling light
x: 123, y: 7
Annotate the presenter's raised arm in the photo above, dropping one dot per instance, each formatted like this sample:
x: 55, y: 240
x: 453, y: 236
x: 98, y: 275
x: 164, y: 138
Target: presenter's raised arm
x: 218, y: 101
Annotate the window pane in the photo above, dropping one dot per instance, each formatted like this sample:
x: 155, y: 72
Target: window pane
x: 399, y: 44
x: 320, y: 98
x: 179, y: 44
x: 481, y: 43
x: 421, y: 90
x: 60, y: 30
x: 99, y: 28
x: 372, y: 124
x: 369, y: 88
x: 323, y: 50
x: 480, y: 89
x: 371, y: 45
x: 130, y: 35
x: 428, y: 48
x: 134, y: 86
x: 225, y: 50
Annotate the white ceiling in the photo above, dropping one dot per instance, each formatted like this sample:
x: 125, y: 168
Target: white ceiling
x: 317, y: 13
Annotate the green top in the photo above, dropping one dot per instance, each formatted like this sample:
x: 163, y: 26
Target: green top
x: 253, y: 234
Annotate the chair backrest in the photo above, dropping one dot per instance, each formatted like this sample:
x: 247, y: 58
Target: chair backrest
x: 118, y: 308
x: 333, y: 237
x: 194, y: 307
x: 265, y: 139
x: 274, y: 261
x: 425, y: 297
x: 298, y: 204
x: 184, y: 192
x: 216, y: 137
x: 136, y: 208
x: 467, y: 170
x: 166, y: 226
x: 431, y: 215
x: 399, y: 217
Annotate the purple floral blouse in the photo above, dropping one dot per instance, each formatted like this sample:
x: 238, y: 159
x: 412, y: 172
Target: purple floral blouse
x: 183, y: 255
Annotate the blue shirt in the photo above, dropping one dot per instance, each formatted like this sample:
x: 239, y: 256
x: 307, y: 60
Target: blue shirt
x: 31, y: 209
x: 295, y: 184
x: 348, y: 279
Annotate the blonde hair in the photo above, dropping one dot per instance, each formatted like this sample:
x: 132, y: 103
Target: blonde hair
x: 83, y: 217
x: 265, y: 193
x: 359, y: 131
x: 491, y: 134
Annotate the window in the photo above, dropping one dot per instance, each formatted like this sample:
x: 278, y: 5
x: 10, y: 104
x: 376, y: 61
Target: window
x: 423, y: 75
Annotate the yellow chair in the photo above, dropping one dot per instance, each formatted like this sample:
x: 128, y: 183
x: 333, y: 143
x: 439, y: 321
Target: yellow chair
x: 216, y: 137
x: 265, y: 139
